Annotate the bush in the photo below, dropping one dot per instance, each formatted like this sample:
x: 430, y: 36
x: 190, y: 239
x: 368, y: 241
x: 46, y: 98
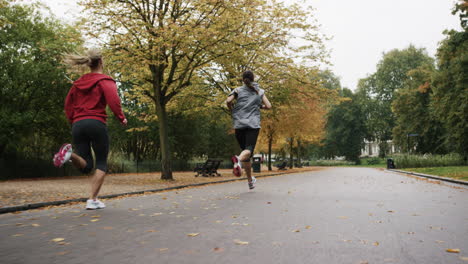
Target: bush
x: 374, y: 161
x: 428, y: 160
x: 332, y: 163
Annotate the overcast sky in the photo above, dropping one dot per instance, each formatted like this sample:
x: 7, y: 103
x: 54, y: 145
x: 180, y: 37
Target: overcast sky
x: 361, y: 29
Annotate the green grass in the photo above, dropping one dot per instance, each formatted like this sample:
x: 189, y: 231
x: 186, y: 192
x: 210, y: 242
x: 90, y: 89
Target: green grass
x: 455, y: 172
x: 428, y: 160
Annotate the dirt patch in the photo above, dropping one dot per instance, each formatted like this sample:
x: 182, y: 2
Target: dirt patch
x: 27, y: 191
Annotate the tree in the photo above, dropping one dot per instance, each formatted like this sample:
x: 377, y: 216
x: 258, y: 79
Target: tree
x: 32, y: 81
x: 450, y: 85
x: 345, y: 128
x: 377, y: 91
x: 413, y: 114
x: 163, y: 46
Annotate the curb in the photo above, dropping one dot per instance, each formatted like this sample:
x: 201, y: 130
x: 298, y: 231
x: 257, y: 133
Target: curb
x: 25, y: 207
x: 431, y: 176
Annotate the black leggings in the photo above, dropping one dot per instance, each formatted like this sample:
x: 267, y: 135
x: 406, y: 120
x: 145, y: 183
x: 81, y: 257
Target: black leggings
x: 247, y: 138
x: 87, y: 134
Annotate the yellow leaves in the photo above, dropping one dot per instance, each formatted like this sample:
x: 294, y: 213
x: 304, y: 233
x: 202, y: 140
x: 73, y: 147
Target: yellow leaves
x: 296, y: 231
x: 376, y: 243
x: 453, y: 250
x: 308, y: 227
x: 239, y: 242
x: 94, y: 220
x: 193, y: 234
x: 58, y: 239
x: 151, y: 231
x: 35, y: 225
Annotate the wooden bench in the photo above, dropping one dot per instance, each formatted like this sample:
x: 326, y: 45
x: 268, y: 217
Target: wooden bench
x: 282, y: 166
x: 209, y: 168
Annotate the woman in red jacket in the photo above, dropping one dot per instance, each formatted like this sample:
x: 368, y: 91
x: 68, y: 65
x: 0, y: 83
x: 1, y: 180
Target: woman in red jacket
x: 85, y: 107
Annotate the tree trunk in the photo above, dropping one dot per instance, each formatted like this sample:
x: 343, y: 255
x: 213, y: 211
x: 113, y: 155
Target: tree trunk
x: 299, y: 153
x: 270, y: 144
x: 291, y: 154
x: 166, y: 168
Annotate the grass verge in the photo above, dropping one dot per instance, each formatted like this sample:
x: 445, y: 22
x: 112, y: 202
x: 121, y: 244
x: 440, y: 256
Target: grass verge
x: 455, y: 172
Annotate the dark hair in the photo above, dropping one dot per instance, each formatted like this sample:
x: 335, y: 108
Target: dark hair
x: 248, y: 78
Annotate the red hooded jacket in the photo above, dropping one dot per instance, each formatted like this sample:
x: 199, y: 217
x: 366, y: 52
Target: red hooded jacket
x: 88, y: 97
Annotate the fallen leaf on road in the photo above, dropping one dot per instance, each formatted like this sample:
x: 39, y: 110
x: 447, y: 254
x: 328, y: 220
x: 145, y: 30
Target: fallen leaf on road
x: 58, y: 239
x: 193, y: 234
x: 95, y: 216
x: 35, y: 225
x: 217, y: 249
x: 268, y: 202
x: 375, y: 243
x: 156, y: 214
x: 453, y: 250
x: 239, y: 242
x: 94, y: 220
x: 62, y: 253
x: 152, y: 231
x: 218, y: 221
x: 308, y: 227
x: 163, y: 249
x: 296, y: 231
x: 17, y: 235
x: 390, y: 211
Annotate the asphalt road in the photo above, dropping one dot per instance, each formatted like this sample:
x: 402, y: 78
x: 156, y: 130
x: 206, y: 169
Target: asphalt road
x: 339, y: 215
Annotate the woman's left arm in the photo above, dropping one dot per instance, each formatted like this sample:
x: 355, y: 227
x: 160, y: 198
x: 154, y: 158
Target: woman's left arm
x: 265, y: 102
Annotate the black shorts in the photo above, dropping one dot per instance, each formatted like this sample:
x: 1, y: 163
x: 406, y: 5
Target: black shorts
x: 87, y: 134
x: 247, y: 138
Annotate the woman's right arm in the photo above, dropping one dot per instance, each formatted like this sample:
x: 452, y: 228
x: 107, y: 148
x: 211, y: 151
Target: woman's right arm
x: 230, y: 101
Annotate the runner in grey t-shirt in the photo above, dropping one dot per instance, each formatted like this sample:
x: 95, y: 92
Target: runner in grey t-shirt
x: 250, y: 98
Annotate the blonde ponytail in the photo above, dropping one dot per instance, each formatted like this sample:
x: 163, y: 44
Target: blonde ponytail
x: 91, y: 59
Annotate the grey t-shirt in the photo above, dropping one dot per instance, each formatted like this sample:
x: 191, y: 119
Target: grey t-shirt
x: 246, y: 111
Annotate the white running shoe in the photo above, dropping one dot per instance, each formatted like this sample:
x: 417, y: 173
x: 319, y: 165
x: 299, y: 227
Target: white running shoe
x: 100, y: 204
x: 251, y: 183
x: 63, y: 155
x: 94, y: 204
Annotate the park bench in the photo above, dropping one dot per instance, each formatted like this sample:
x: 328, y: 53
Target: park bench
x: 209, y: 168
x: 282, y: 166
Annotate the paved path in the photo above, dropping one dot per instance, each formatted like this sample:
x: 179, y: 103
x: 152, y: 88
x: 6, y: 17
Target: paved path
x: 339, y: 215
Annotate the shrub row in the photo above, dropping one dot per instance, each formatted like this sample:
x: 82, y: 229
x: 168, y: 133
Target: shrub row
x: 428, y: 160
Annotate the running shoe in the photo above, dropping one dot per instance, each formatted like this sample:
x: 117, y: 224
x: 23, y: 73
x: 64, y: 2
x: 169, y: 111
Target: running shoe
x: 91, y: 204
x: 63, y: 155
x: 94, y: 204
x: 237, y: 169
x: 251, y: 183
